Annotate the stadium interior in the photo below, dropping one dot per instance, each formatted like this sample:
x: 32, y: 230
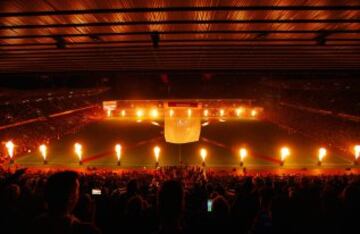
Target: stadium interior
x: 178, y: 116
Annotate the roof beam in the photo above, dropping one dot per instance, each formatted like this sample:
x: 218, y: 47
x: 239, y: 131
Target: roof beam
x: 182, y: 9
x: 179, y: 32
x: 176, y: 22
x: 205, y: 41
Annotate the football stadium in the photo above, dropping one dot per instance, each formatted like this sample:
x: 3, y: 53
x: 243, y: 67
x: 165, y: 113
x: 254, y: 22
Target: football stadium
x: 179, y: 117
x: 126, y: 138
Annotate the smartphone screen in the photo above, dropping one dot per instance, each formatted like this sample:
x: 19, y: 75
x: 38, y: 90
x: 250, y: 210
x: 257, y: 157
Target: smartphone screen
x: 96, y: 192
x: 209, y: 205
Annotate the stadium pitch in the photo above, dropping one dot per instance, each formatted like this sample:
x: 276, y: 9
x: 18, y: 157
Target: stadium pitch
x: 221, y: 139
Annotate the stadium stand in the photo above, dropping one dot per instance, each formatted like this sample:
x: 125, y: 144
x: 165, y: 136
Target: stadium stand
x: 19, y: 106
x: 330, y: 95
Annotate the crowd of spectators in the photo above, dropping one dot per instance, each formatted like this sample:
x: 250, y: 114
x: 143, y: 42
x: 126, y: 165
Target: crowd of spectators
x: 324, y: 129
x: 335, y: 95
x: 19, y: 107
x: 176, y: 200
x: 325, y: 110
x: 34, y: 118
x: 28, y: 137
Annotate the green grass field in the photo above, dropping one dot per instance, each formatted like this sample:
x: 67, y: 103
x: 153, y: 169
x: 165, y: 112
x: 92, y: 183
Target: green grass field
x: 221, y: 139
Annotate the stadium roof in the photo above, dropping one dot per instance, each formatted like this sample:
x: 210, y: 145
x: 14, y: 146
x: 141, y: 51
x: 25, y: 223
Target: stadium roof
x: 139, y: 35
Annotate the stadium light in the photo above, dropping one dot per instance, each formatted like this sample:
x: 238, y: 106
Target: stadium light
x: 171, y: 113
x: 206, y: 112
x: 118, y: 153
x: 253, y: 113
x: 78, y: 152
x: 157, y: 155
x: 239, y: 111
x: 243, y: 153
x: 108, y: 113
x: 321, y: 154
x: 189, y: 112
x: 222, y: 112
x: 154, y: 113
x: 357, y: 153
x: 123, y: 113
x: 284, y: 153
x: 43, y: 152
x: 203, y: 154
x: 10, y: 150
x: 139, y: 113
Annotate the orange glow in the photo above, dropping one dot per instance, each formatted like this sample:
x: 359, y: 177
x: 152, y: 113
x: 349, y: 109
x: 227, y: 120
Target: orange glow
x: 123, y: 113
x: 157, y: 153
x: 222, y: 112
x: 139, y: 113
x: 10, y: 148
x: 239, y: 111
x: 284, y: 153
x: 243, y: 153
x: 171, y: 112
x: 322, y: 154
x: 118, y: 151
x: 43, y: 151
x: 78, y: 150
x: 189, y: 112
x: 253, y: 113
x: 154, y: 113
x: 206, y: 113
x: 203, y: 154
x: 357, y: 151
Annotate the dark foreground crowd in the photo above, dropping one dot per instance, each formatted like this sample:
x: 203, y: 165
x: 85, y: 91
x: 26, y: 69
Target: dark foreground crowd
x: 176, y: 200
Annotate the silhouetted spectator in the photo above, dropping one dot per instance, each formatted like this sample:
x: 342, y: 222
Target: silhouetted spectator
x: 219, y: 216
x: 62, y: 193
x: 171, y: 206
x: 85, y: 208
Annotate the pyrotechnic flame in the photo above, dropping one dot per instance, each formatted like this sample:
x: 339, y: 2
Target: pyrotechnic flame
x: 10, y: 148
x: 78, y: 150
x: 203, y: 154
x: 357, y: 151
x: 157, y: 153
x: 118, y: 151
x: 243, y: 153
x: 285, y: 152
x: 322, y: 154
x: 43, y: 151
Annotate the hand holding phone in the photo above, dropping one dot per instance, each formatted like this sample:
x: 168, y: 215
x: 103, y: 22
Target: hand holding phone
x: 209, y: 205
x: 96, y: 191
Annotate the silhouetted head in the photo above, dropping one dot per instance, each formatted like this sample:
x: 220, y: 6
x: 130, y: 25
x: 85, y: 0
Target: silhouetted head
x: 10, y: 194
x: 85, y: 208
x: 266, y: 195
x: 134, y: 206
x: 171, y: 201
x: 221, y: 207
x: 132, y: 187
x: 62, y: 192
